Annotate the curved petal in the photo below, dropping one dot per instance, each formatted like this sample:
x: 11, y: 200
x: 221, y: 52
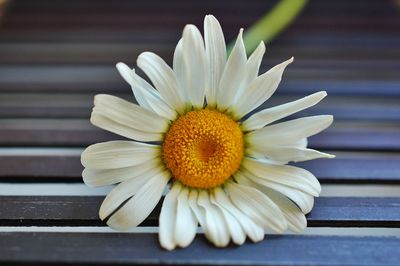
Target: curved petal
x: 196, y: 209
x: 250, y: 72
x: 216, y: 57
x: 284, y: 154
x: 290, y: 131
x: 118, y: 154
x: 284, y: 174
x: 163, y: 78
x: 186, y: 223
x: 235, y: 230
x: 125, y: 190
x: 145, y: 94
x: 178, y: 66
x: 233, y: 74
x: 267, y: 116
x: 260, y: 90
x: 132, y: 115
x: 296, y: 219
x: 168, y: 218
x: 254, y: 231
x: 302, y: 143
x: 94, y: 178
x: 303, y: 200
x: 257, y: 206
x: 136, y: 209
x: 111, y: 125
x: 194, y: 70
x: 216, y: 229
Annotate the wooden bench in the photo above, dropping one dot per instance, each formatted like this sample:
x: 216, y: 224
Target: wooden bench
x: 56, y: 55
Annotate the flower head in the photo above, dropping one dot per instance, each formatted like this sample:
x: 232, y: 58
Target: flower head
x: 189, y: 135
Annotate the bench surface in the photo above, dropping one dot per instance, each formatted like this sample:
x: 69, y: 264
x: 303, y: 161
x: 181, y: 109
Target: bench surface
x: 56, y: 55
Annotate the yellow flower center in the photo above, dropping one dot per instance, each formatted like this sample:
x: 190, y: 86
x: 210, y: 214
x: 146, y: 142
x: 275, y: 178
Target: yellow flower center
x: 203, y: 148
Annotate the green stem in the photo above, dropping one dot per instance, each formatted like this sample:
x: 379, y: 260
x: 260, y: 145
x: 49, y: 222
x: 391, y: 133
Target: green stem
x: 281, y: 15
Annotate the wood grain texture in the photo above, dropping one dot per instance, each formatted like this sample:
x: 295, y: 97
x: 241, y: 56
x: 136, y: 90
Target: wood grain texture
x: 143, y: 249
x: 344, y: 135
x: 79, y: 105
x: 55, y: 55
x: 105, y: 78
x: 83, y: 211
x: 64, y: 164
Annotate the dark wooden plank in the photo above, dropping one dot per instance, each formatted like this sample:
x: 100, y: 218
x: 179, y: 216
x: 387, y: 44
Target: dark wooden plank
x: 349, y: 135
x: 316, y: 17
x: 38, y: 164
x: 358, y: 136
x: 51, y: 132
x: 79, y: 105
x: 83, y: 211
x: 356, y: 167
x: 143, y: 249
x: 109, y: 53
x: 105, y: 78
x: 64, y: 164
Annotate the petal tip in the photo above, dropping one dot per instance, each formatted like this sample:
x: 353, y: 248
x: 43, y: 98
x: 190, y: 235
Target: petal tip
x: 121, y: 65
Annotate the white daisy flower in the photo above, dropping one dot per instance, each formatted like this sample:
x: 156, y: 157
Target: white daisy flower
x: 188, y: 136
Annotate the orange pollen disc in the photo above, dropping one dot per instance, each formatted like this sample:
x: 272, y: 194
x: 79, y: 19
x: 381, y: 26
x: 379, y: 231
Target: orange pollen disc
x: 203, y: 148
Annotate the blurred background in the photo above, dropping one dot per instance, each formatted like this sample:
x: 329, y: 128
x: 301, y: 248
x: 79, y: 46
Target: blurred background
x: 55, y: 55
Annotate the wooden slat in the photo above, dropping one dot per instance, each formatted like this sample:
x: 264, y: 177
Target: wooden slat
x: 105, y: 78
x: 64, y: 164
x: 79, y: 105
x: 83, y: 211
x: 120, y: 15
x: 348, y: 135
x: 110, y: 53
x: 143, y: 249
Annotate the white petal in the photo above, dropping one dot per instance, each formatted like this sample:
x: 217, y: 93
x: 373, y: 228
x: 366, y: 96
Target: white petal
x: 194, y: 59
x: 108, y: 123
x: 296, y: 219
x: 186, y: 223
x: 163, y: 78
x: 260, y: 90
x: 300, y: 143
x: 284, y: 154
x: 145, y: 94
x: 197, y: 210
x: 254, y: 231
x: 125, y: 190
x: 93, y: 177
x: 216, y: 56
x: 179, y: 70
x: 304, y: 200
x: 257, y: 206
x: 215, y: 227
x: 232, y: 76
x: 168, y: 217
x: 290, y: 131
x: 251, y: 71
x: 126, y: 119
x: 136, y: 209
x: 267, y: 116
x: 132, y: 115
x: 284, y: 174
x: 118, y: 154
x: 235, y: 230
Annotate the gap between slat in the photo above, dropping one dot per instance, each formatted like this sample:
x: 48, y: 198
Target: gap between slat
x: 322, y: 231
x: 77, y: 189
